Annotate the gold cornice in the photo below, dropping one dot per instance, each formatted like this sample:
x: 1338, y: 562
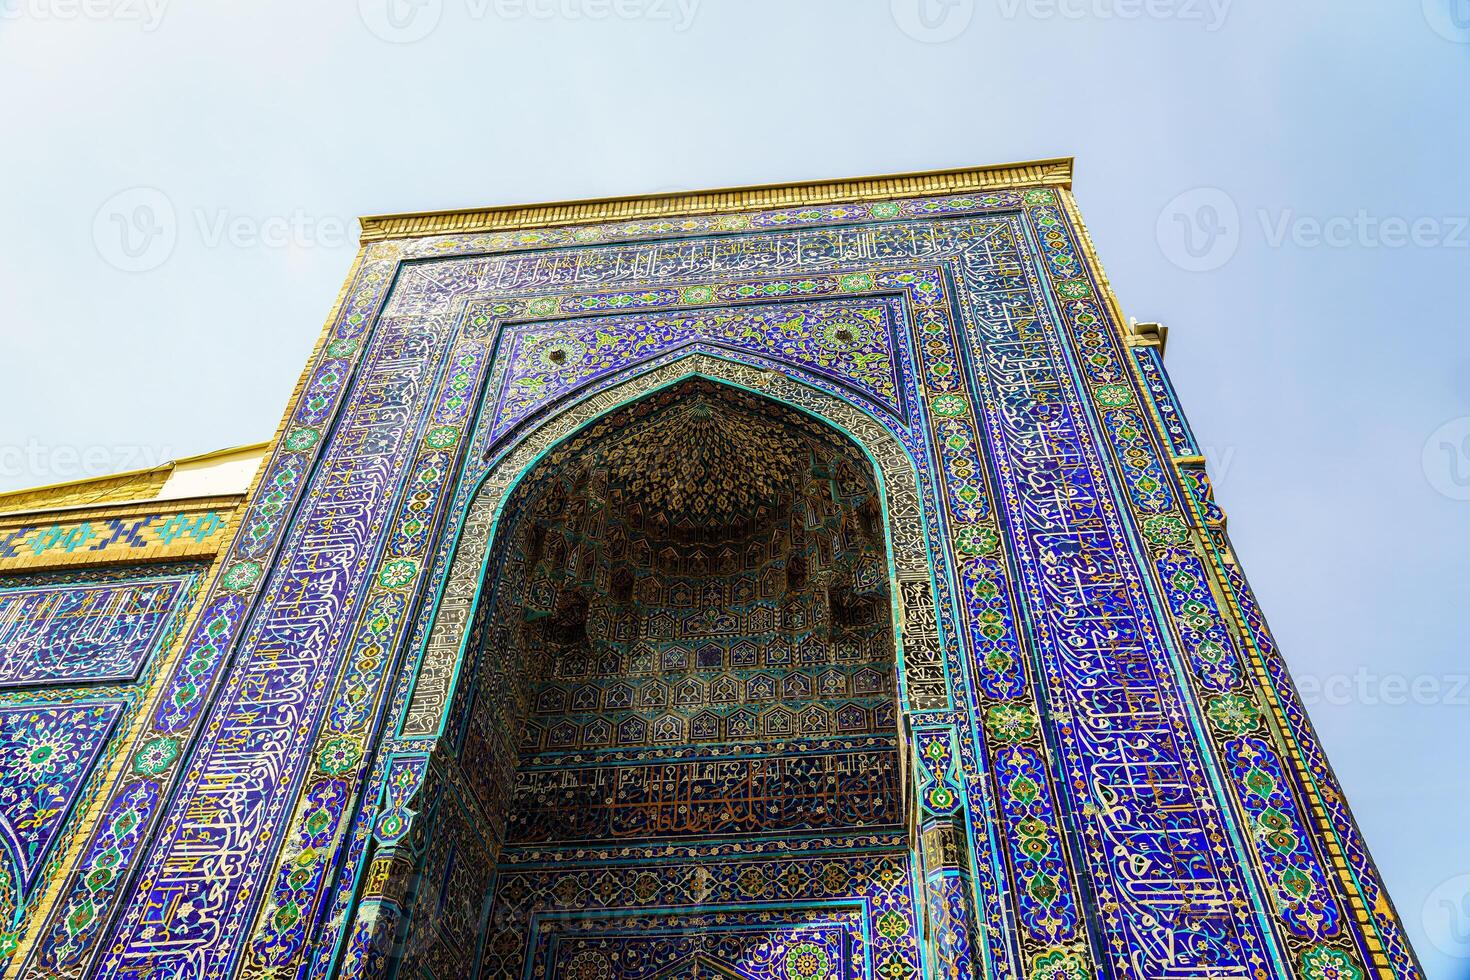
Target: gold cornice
x: 1037, y: 173
x: 106, y: 509
x: 112, y: 489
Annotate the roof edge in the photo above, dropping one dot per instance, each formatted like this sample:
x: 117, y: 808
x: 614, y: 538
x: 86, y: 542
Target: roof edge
x: 1035, y: 173
x: 6, y: 497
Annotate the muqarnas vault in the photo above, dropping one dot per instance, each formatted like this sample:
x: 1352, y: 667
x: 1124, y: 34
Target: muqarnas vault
x: 813, y: 582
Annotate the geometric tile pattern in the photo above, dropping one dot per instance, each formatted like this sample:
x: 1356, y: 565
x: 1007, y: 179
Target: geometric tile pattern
x: 657, y: 625
x: 848, y: 340
x: 829, y: 917
x: 141, y: 533
x: 663, y: 947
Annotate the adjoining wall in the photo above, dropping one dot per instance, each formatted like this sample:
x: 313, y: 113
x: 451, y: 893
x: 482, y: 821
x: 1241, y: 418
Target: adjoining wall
x: 99, y: 581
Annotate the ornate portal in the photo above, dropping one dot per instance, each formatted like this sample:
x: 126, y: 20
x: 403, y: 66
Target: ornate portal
x: 815, y: 582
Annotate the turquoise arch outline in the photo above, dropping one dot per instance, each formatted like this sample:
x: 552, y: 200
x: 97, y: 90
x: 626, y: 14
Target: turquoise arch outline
x: 396, y: 743
x: 790, y: 372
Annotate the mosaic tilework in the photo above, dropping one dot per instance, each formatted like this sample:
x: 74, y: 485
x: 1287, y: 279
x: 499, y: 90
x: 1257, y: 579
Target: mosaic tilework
x: 795, y: 918
x: 656, y: 947
x: 76, y: 649
x: 948, y: 886
x: 848, y: 340
x: 1013, y: 730
x: 1090, y: 655
x: 482, y: 733
x: 650, y: 625
x: 1150, y: 364
x: 809, y: 792
x: 73, y: 633
x: 46, y: 754
x: 662, y: 624
x: 1261, y: 769
x: 978, y: 541
x: 144, y: 536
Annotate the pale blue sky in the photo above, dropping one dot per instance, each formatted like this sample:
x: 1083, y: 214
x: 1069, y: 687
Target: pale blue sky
x: 1317, y: 358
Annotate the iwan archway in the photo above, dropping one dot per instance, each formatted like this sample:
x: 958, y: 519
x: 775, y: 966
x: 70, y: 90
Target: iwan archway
x: 1103, y: 770
x: 673, y: 744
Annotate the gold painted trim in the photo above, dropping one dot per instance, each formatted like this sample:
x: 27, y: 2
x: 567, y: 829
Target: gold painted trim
x: 1148, y: 335
x: 1037, y: 173
x: 1094, y: 263
x: 102, y: 510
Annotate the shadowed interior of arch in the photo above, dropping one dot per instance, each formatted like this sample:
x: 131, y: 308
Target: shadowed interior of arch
x: 686, y: 635
x: 703, y: 571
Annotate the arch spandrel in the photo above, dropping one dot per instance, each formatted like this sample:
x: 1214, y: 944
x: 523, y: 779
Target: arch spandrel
x: 853, y: 342
x: 426, y: 709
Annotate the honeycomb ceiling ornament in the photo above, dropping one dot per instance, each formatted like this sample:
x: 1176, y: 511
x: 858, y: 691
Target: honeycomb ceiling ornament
x: 705, y: 463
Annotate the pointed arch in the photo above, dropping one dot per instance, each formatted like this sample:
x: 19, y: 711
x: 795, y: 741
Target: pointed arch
x: 920, y: 661
x: 385, y: 907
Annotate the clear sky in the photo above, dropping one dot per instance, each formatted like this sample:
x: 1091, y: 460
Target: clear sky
x: 1282, y: 182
